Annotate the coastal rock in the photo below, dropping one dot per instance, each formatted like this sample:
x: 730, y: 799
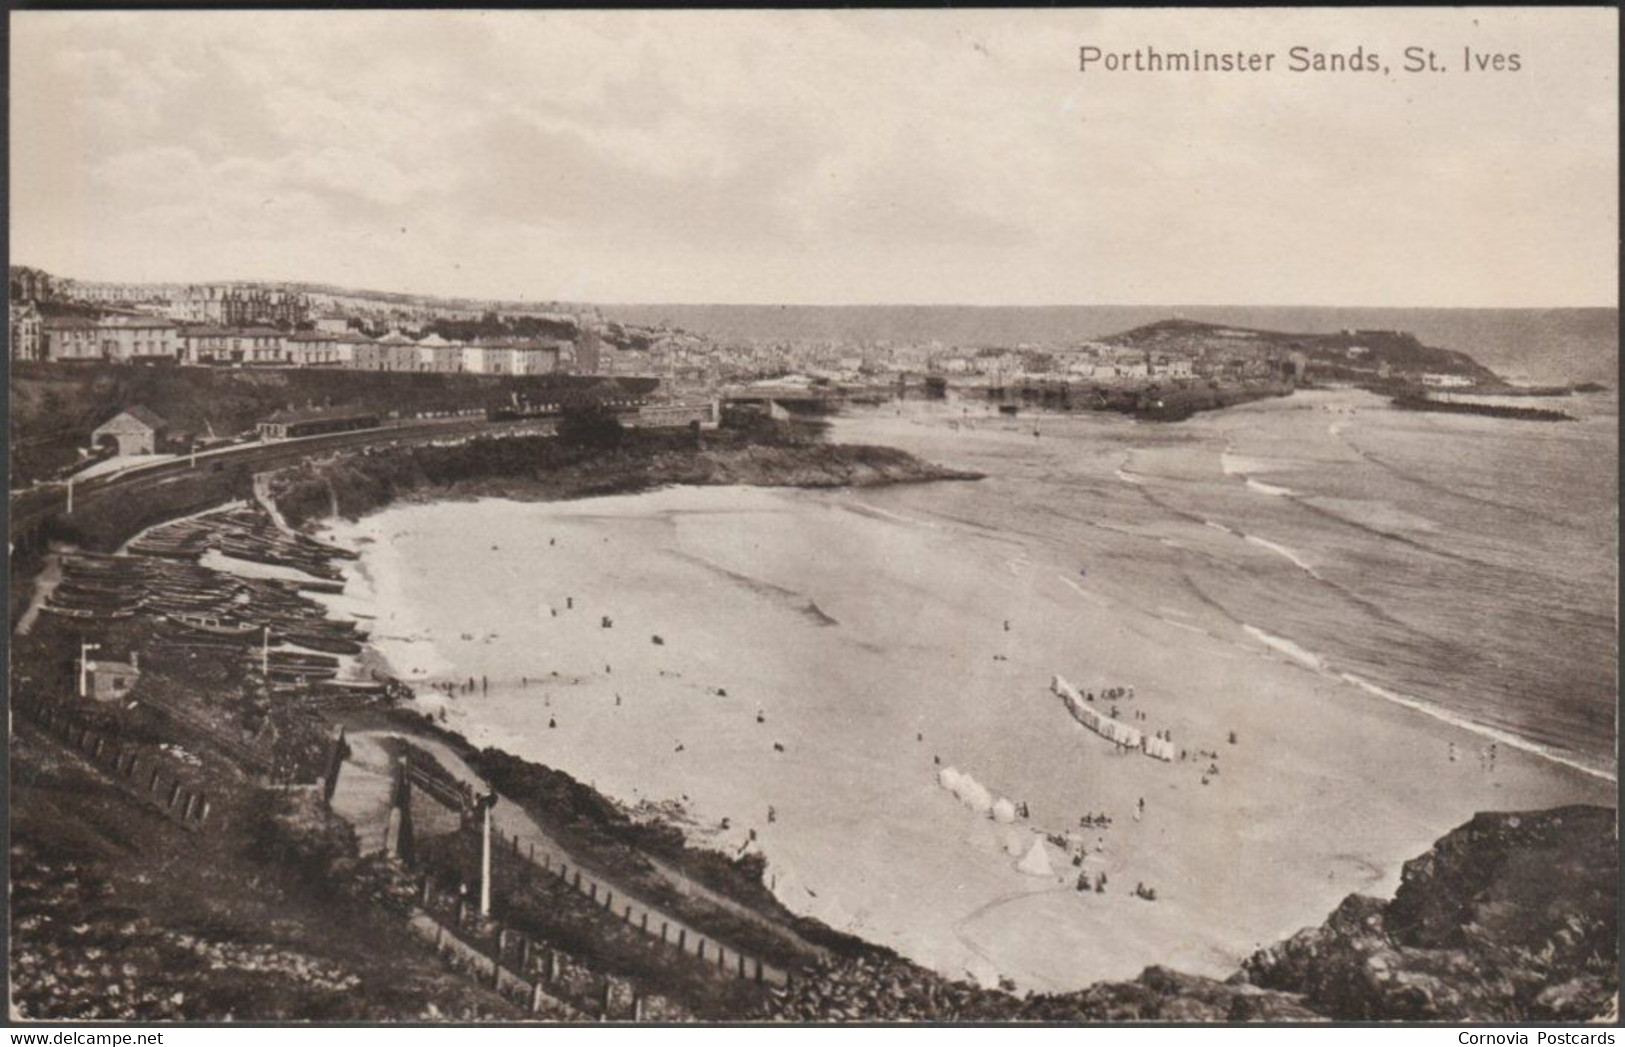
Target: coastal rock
x: 1512, y: 917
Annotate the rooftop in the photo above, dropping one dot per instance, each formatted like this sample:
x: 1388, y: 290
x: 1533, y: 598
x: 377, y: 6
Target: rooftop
x: 145, y: 415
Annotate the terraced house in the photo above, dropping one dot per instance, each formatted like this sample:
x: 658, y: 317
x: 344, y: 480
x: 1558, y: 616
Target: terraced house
x: 71, y: 338
x: 139, y: 339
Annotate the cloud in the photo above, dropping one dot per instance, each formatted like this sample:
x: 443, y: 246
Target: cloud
x: 816, y: 156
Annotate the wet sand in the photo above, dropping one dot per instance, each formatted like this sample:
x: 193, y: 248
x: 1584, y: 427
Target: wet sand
x: 854, y: 624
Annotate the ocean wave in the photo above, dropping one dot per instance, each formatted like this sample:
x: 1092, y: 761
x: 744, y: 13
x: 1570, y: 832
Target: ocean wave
x: 1281, y: 550
x: 1128, y: 478
x: 1298, y: 654
x: 1270, y: 489
x: 1221, y: 527
x: 1483, y: 730
x: 1313, y: 661
x: 1240, y: 465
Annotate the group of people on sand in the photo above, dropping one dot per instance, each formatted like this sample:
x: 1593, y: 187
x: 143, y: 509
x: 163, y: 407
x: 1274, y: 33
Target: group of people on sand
x: 1098, y: 885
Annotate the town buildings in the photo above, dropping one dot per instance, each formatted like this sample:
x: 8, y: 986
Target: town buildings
x: 70, y: 338
x: 26, y: 331
x: 137, y: 339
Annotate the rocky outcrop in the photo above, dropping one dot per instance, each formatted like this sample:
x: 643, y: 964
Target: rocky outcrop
x: 1512, y: 917
x: 536, y: 468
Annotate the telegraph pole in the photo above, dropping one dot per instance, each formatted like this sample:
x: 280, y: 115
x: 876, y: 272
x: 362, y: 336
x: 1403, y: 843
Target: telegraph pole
x: 488, y: 801
x: 70, y: 496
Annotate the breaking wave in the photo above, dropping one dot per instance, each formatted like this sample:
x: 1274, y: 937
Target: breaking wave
x: 1281, y: 550
x: 1483, y: 730
x: 1270, y: 489
x: 1308, y: 659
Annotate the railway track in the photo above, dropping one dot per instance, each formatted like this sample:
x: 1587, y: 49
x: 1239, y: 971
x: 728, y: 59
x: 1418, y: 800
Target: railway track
x: 35, y: 505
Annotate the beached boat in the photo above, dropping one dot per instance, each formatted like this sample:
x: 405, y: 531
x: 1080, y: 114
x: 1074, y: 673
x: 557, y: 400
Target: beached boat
x: 333, y: 644
x: 86, y: 613
x: 225, y: 628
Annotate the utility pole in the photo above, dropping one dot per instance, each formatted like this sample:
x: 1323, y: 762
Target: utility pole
x: 488, y: 801
x: 265, y: 656
x: 70, y: 496
x: 84, y: 666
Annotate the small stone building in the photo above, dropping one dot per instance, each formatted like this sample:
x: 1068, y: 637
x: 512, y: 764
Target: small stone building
x: 135, y: 431
x: 112, y: 681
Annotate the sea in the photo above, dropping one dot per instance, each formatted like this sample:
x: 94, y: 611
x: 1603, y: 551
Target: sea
x: 1463, y: 565
x: 1359, y: 625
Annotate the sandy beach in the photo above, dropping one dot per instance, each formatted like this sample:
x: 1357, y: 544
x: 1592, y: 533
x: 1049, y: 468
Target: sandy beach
x: 864, y: 633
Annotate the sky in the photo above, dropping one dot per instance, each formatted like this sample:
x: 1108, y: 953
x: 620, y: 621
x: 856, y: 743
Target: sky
x: 821, y: 157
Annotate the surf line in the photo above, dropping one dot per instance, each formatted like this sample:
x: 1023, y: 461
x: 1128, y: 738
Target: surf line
x: 1471, y: 726
x: 1315, y: 663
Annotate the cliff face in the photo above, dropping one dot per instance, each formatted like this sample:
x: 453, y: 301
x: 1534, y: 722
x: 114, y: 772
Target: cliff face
x: 1512, y: 917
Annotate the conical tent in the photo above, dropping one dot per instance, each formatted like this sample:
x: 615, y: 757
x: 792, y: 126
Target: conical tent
x: 1037, y: 861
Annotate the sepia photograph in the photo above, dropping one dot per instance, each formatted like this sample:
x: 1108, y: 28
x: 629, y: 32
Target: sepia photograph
x: 813, y: 517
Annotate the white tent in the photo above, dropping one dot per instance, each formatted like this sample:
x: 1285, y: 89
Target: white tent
x: 1004, y: 811
x: 1037, y: 861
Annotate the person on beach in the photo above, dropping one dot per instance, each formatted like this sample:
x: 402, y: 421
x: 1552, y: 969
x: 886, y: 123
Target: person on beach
x: 552, y: 723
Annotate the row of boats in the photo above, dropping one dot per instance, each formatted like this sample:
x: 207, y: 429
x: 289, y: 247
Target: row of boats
x: 199, y: 605
x: 244, y: 534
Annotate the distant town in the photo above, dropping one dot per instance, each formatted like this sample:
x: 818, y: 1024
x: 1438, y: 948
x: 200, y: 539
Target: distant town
x: 106, y: 375
x: 251, y: 325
